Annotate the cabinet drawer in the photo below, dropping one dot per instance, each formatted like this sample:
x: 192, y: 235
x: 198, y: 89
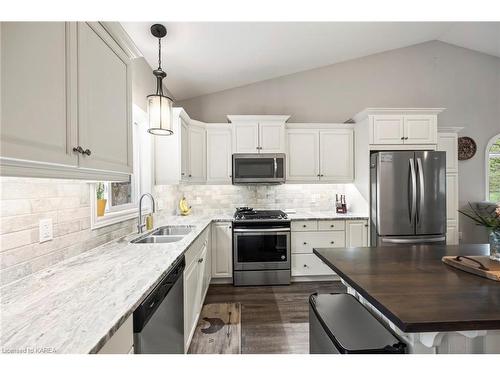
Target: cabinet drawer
x: 194, y: 250
x: 304, y: 242
x: 309, y: 265
x: 304, y: 225
x: 331, y: 225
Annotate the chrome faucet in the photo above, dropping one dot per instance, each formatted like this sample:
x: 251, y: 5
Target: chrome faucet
x: 140, y: 224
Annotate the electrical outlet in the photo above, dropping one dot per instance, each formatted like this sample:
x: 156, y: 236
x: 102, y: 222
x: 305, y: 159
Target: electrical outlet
x: 45, y: 230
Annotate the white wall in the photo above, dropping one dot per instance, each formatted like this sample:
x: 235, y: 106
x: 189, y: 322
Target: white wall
x: 432, y: 74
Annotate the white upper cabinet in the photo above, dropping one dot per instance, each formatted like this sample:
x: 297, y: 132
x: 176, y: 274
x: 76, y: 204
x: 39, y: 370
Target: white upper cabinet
x: 388, y: 129
x: 66, y: 88
x: 258, y: 134
x: 448, y: 142
x: 38, y: 79
x: 197, y: 154
x: 104, y: 97
x: 420, y: 129
x: 246, y: 138
x: 271, y: 137
x: 336, y: 155
x: 302, y: 155
x: 323, y: 153
x: 401, y: 126
x: 182, y: 155
x: 219, y: 153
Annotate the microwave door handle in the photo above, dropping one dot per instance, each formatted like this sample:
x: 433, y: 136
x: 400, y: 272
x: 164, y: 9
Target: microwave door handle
x: 275, y: 168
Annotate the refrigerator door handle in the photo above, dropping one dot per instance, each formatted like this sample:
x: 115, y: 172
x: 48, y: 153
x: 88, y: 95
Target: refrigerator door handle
x: 421, y: 188
x: 413, y: 240
x: 413, y: 190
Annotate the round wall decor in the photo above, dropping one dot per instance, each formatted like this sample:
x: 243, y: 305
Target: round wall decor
x: 466, y: 148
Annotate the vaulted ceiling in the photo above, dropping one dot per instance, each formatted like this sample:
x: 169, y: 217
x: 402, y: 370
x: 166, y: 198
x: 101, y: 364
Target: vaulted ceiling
x: 206, y: 57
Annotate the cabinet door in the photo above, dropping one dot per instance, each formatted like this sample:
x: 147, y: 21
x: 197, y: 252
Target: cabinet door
x: 184, y: 150
x: 420, y: 129
x: 205, y: 273
x: 387, y: 129
x: 336, y: 160
x: 197, y: 154
x: 356, y: 234
x: 246, y: 138
x: 222, y: 246
x: 38, y: 87
x: 303, y: 155
x: 448, y: 142
x: 452, y: 198
x: 452, y: 235
x: 271, y: 137
x: 104, y: 101
x: 191, y: 301
x: 219, y: 156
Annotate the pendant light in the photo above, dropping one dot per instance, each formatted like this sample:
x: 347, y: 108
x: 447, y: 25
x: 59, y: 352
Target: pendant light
x: 159, y: 106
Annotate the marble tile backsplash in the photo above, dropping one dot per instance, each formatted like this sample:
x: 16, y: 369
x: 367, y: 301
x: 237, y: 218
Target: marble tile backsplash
x: 24, y: 201
x: 208, y: 199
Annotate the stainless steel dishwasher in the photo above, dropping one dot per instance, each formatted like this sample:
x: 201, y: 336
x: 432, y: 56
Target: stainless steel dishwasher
x: 159, y: 319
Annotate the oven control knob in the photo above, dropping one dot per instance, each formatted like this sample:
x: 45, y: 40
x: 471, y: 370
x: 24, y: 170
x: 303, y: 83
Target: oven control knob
x: 283, y: 257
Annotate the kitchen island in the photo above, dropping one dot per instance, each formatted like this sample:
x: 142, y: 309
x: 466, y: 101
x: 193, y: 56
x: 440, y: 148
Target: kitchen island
x: 432, y: 307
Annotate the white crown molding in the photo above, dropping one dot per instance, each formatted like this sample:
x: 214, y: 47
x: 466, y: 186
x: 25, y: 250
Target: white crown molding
x: 246, y: 118
x: 121, y: 37
x: 396, y: 111
x: 317, y: 125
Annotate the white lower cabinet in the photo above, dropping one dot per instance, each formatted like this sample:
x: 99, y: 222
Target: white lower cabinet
x: 196, y: 282
x: 122, y: 341
x: 309, y: 265
x: 222, y: 246
x: 356, y: 234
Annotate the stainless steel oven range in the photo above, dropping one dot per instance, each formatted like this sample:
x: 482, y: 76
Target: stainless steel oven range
x: 261, y: 247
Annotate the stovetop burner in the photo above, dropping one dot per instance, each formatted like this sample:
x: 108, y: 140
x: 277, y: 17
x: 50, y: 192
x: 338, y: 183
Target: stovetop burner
x: 247, y: 213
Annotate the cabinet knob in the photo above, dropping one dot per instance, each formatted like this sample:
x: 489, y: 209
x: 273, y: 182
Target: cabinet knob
x: 406, y: 137
x: 78, y: 149
x: 87, y: 152
x: 402, y: 138
x: 304, y: 226
x: 189, y: 176
x: 183, y: 174
x: 305, y: 243
x: 332, y: 226
x: 200, y: 260
x: 321, y: 175
x: 305, y: 265
x: 332, y: 242
x: 318, y: 175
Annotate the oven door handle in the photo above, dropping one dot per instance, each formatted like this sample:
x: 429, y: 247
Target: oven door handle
x: 243, y: 230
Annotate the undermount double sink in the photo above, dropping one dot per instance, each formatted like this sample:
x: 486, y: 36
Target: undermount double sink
x: 165, y: 234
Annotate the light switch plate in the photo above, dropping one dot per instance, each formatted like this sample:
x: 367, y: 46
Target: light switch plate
x: 45, y: 230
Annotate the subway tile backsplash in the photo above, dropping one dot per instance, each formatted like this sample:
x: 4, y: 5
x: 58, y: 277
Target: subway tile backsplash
x: 207, y: 199
x: 24, y: 201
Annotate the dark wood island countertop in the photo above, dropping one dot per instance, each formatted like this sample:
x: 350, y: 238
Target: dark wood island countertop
x: 413, y: 288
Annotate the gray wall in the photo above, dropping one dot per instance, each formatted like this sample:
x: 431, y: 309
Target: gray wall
x: 432, y: 74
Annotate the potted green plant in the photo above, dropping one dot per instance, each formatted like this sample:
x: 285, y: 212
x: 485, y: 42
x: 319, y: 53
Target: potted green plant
x: 490, y: 220
x: 101, y: 202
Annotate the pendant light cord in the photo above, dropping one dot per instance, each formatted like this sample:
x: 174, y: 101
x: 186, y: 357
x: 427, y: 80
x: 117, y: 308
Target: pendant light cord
x: 159, y: 53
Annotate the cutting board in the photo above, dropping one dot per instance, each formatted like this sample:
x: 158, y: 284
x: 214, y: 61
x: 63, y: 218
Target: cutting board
x: 478, y: 265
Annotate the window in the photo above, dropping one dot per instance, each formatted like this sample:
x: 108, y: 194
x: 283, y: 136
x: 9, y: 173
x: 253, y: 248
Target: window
x: 122, y: 197
x: 493, y: 169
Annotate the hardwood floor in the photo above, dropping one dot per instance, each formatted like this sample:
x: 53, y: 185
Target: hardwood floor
x: 274, y: 319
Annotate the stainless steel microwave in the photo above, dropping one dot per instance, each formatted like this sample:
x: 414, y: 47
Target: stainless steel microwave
x: 258, y: 168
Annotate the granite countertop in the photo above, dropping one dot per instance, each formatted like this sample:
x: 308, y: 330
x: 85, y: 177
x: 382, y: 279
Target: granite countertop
x: 75, y: 306
x: 326, y: 215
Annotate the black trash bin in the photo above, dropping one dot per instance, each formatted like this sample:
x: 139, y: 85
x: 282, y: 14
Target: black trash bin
x: 339, y: 324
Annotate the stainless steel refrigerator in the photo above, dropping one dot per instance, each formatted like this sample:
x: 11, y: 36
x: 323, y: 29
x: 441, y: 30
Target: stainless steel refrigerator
x: 408, y: 197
